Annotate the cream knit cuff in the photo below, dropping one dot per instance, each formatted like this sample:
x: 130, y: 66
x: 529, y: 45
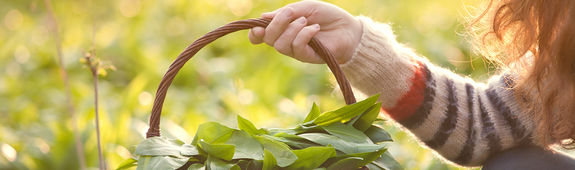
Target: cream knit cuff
x: 380, y: 64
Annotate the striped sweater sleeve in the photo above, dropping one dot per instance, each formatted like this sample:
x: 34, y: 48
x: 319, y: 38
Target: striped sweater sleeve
x: 463, y: 121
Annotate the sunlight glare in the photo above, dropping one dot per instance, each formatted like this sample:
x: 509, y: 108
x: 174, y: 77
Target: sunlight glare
x: 8, y: 152
x: 129, y: 8
x: 21, y: 54
x: 123, y: 152
x: 145, y: 98
x: 13, y: 19
x: 246, y: 96
x: 42, y: 145
x: 240, y: 7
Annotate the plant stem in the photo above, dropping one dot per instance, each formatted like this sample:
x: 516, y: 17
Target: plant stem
x: 67, y: 89
x: 94, y: 67
x: 100, y: 156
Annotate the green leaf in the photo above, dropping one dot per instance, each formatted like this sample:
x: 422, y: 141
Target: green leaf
x: 313, y: 113
x: 372, y: 166
x: 386, y: 161
x: 270, y: 162
x: 128, y: 163
x: 346, y: 112
x: 365, y: 120
x: 255, y: 164
x: 347, y: 132
x: 159, y: 146
x: 346, y: 163
x: 197, y: 166
x: 244, y: 163
x: 281, y: 152
x: 288, y: 136
x: 273, y: 131
x: 368, y: 156
x: 340, y: 144
x: 248, y: 126
x: 246, y: 146
x: 293, y: 144
x: 307, y: 128
x: 293, y: 141
x: 160, y: 162
x: 188, y: 150
x: 216, y: 164
x: 323, y: 140
x: 222, y: 151
x: 212, y: 132
x: 312, y: 157
x: 377, y: 134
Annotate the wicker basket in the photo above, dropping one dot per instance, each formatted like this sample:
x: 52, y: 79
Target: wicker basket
x: 190, y: 51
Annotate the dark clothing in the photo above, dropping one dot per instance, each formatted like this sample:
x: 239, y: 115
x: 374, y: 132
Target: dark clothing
x: 529, y: 157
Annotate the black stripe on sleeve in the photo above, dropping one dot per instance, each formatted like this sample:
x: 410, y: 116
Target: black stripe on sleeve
x: 517, y: 128
x: 488, y: 130
x: 448, y: 124
x: 467, y: 151
x: 509, y: 82
x: 423, y: 111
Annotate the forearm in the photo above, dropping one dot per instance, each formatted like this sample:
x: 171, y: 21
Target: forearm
x: 378, y: 60
x: 462, y: 120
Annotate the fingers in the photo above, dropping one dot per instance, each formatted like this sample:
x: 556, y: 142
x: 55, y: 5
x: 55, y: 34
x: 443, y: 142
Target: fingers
x: 288, y: 35
x: 277, y: 26
x: 256, y: 35
x: 299, y: 9
x: 301, y: 50
x: 269, y: 15
x: 284, y: 43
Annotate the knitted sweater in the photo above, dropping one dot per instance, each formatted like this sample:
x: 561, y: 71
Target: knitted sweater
x: 462, y: 120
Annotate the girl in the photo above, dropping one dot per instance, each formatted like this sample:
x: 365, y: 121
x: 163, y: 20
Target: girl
x: 502, y: 124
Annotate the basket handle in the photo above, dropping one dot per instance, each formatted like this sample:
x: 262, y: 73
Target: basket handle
x: 190, y: 51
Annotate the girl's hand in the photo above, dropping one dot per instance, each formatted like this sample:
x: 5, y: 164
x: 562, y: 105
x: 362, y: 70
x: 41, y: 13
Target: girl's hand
x: 293, y: 26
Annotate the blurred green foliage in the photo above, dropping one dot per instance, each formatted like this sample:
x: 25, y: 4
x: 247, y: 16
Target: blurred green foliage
x: 230, y: 76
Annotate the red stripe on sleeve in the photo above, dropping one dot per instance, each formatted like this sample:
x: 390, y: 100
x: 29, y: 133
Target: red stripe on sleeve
x: 412, y: 100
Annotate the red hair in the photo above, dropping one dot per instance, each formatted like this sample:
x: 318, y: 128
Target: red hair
x: 536, y: 39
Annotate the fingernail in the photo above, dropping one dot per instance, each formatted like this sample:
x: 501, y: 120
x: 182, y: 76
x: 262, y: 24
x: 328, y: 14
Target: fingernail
x: 255, y: 29
x: 267, y: 15
x: 301, y: 20
x: 315, y: 26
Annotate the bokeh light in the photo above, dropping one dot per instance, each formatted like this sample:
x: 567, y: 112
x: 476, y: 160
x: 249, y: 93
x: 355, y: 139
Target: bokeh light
x: 8, y: 152
x: 129, y: 8
x: 13, y: 19
x: 226, y: 78
x: 22, y: 54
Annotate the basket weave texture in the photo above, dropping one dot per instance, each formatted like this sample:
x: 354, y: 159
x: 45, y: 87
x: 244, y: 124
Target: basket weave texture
x: 190, y: 51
